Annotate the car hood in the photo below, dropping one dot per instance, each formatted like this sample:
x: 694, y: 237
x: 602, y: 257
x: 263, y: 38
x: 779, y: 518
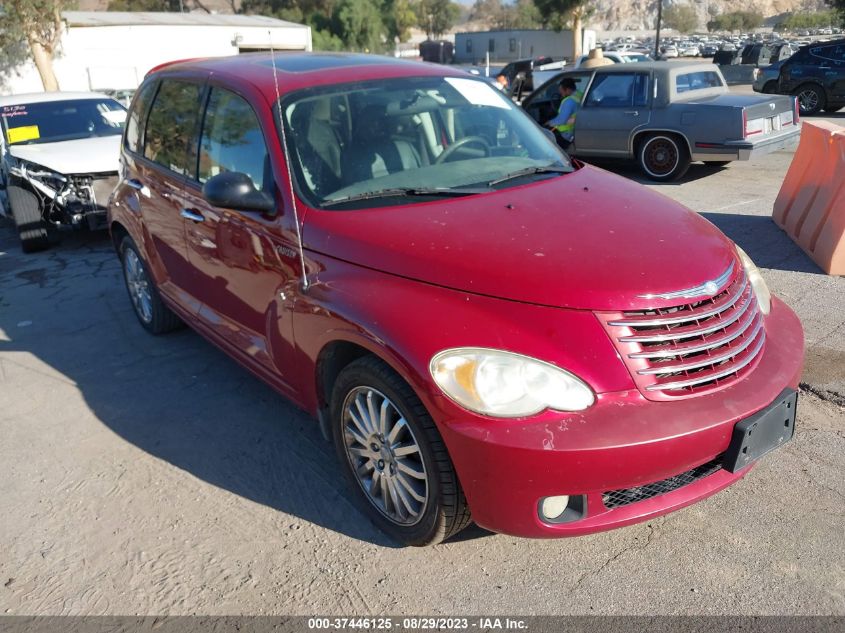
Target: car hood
x: 82, y: 156
x: 588, y: 240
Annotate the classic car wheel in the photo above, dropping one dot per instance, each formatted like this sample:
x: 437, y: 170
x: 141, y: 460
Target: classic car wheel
x: 394, y: 456
x: 26, y: 211
x: 663, y: 158
x: 156, y: 317
x: 811, y: 99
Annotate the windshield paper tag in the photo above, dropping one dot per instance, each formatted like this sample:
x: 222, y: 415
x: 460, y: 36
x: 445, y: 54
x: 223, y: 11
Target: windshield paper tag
x: 21, y: 134
x: 477, y: 93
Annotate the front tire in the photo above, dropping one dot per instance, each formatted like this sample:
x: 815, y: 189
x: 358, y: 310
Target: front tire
x: 663, y: 157
x: 833, y: 109
x: 26, y: 211
x: 392, y: 453
x: 151, y: 311
x: 811, y: 99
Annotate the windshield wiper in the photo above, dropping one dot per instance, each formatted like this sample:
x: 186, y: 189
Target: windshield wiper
x: 445, y: 192
x: 529, y: 171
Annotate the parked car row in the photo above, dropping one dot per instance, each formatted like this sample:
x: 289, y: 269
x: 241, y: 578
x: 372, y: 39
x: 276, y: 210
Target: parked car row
x: 486, y: 330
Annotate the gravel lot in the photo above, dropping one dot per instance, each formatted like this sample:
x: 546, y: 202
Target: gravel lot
x: 154, y: 476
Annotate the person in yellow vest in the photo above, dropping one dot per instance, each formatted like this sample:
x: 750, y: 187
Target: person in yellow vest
x: 563, y: 125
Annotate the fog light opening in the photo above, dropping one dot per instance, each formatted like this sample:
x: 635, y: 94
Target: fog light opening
x: 552, y: 508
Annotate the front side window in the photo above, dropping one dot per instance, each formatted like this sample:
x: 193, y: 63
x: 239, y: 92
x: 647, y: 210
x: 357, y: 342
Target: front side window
x: 66, y: 120
x: 170, y: 137
x: 619, y: 90
x: 443, y: 133
x: 232, y: 140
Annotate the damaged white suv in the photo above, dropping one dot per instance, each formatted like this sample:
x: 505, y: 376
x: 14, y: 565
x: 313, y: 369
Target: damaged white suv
x: 60, y: 154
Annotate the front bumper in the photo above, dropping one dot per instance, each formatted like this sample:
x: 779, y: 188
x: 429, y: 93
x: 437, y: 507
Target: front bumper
x: 624, y: 441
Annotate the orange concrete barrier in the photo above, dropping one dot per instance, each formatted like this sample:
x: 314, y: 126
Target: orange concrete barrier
x: 811, y: 204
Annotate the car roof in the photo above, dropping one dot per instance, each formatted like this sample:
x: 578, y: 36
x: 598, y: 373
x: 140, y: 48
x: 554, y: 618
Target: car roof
x: 653, y: 65
x: 296, y: 70
x: 44, y: 97
x: 838, y: 42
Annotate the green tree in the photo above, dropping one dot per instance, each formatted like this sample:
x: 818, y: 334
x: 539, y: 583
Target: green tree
x: 681, y: 17
x: 560, y: 13
x: 32, y: 29
x: 839, y: 7
x: 358, y: 23
x: 436, y: 17
x: 399, y: 18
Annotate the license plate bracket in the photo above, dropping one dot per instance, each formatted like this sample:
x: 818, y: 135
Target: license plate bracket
x: 762, y: 432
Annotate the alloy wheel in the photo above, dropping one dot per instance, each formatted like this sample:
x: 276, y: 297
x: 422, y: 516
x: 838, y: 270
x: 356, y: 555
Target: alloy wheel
x: 385, y: 456
x: 139, y: 285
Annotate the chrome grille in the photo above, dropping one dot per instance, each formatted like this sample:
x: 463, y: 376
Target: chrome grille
x: 691, y: 348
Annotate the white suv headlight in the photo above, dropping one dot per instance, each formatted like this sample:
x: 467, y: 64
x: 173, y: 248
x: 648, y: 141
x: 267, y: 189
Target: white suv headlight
x: 758, y: 284
x: 507, y: 385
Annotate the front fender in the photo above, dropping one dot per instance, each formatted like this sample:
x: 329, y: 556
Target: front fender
x: 406, y: 322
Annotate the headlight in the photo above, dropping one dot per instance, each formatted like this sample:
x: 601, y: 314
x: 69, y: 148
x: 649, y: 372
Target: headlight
x: 758, y: 284
x: 507, y: 385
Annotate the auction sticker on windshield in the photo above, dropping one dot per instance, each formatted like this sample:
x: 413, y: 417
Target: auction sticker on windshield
x: 23, y: 133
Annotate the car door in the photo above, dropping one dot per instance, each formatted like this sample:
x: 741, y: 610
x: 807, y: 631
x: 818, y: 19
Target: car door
x: 615, y: 105
x: 170, y: 139
x: 242, y: 263
x: 544, y: 103
x: 832, y: 70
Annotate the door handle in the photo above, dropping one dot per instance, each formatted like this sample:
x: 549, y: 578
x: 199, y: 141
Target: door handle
x: 633, y: 112
x: 191, y: 215
x: 137, y: 185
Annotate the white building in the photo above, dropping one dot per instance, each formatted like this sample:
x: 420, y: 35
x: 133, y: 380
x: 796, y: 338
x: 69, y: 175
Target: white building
x: 510, y: 45
x: 104, y: 50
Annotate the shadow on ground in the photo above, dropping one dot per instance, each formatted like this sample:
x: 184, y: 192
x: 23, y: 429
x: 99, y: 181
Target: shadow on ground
x: 175, y: 397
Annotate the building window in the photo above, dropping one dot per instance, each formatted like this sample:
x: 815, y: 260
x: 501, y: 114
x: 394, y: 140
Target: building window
x: 491, y: 45
x: 469, y: 45
x: 512, y: 45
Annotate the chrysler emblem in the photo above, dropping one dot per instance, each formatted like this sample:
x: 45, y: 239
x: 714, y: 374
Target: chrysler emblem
x: 771, y: 106
x: 711, y: 288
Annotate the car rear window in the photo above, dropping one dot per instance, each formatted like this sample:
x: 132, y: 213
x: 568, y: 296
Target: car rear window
x: 700, y: 80
x: 171, y: 135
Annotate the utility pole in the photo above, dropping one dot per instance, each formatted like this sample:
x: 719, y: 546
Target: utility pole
x: 657, y: 37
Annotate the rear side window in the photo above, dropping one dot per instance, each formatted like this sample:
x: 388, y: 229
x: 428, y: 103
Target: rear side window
x: 619, y: 90
x: 135, y: 120
x: 232, y: 140
x: 170, y: 137
x: 824, y: 55
x: 697, y: 81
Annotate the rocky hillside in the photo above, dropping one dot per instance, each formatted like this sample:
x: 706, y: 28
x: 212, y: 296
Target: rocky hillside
x: 614, y: 15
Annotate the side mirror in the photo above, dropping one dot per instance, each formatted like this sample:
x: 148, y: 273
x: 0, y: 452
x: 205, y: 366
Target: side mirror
x: 234, y: 190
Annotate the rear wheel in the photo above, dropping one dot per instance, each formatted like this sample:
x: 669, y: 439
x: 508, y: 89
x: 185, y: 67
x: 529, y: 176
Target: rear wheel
x: 833, y: 109
x: 811, y: 99
x: 663, y: 157
x: 26, y: 210
x: 394, y: 457
x: 151, y: 311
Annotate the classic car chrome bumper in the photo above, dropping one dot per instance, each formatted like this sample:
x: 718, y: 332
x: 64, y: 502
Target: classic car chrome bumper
x: 744, y: 150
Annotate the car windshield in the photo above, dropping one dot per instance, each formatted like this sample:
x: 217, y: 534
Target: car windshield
x: 52, y: 121
x: 395, y: 140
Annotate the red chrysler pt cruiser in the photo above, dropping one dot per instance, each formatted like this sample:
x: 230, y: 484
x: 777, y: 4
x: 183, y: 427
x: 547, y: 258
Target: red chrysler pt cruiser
x: 486, y: 330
